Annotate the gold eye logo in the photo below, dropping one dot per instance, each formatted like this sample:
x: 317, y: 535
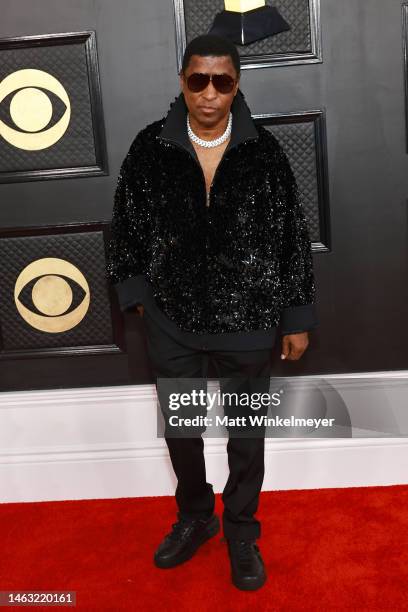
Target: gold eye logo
x: 52, y: 295
x: 31, y: 109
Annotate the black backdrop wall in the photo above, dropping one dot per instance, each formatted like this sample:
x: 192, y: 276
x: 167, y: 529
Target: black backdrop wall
x: 362, y: 282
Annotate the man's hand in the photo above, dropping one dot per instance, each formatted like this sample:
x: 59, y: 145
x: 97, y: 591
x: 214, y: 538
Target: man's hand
x: 294, y: 345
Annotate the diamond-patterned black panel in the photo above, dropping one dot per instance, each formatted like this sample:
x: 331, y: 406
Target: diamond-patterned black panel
x: 68, y: 64
x: 298, y: 140
x: 199, y: 17
x: 86, y: 251
x: 303, y: 137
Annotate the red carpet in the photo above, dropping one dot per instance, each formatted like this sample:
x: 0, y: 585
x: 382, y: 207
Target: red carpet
x: 324, y: 549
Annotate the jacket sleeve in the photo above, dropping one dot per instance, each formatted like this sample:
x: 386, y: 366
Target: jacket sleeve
x: 129, y: 246
x: 298, y: 310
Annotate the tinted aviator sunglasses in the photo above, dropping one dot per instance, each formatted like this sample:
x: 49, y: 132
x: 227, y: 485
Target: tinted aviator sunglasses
x: 198, y: 81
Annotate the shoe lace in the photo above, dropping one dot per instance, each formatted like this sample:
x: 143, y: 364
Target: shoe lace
x: 245, y: 550
x: 181, y: 527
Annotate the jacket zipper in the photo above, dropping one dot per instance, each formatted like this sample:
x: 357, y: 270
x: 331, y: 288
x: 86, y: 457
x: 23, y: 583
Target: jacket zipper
x: 208, y: 195
x: 215, y: 174
x: 176, y: 144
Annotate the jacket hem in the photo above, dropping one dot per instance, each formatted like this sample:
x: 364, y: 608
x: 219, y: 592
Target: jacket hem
x: 138, y: 290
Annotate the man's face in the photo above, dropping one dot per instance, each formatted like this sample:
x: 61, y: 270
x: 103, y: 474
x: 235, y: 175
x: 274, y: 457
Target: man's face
x: 209, y: 106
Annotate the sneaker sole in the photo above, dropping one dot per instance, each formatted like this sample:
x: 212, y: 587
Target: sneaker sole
x: 247, y: 586
x: 211, y: 530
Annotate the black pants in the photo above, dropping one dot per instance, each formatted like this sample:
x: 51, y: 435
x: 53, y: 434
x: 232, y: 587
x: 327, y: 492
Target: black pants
x: 194, y: 495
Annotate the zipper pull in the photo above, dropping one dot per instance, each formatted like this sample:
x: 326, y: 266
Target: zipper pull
x: 209, y: 193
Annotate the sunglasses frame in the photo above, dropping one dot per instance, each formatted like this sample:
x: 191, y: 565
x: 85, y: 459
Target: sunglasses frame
x: 210, y: 79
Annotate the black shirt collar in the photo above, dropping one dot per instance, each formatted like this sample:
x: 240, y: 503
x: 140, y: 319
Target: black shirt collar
x: 175, y: 126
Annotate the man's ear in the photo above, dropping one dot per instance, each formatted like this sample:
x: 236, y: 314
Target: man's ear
x: 181, y: 79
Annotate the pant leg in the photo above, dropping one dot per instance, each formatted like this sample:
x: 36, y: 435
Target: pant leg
x: 243, y: 372
x: 169, y: 359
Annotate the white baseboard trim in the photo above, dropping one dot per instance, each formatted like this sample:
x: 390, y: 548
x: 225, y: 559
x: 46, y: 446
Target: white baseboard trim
x: 101, y: 442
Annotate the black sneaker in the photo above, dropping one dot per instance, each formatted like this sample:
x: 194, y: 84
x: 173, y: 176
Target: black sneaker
x: 247, y: 567
x: 186, y: 537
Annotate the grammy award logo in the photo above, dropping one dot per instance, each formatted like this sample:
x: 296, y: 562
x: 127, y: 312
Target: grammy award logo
x: 242, y: 6
x: 247, y: 21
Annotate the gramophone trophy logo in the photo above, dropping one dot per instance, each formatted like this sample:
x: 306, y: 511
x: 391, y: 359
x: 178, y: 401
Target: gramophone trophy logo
x: 246, y: 21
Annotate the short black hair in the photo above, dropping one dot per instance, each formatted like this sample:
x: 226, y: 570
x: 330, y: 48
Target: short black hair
x: 211, y: 44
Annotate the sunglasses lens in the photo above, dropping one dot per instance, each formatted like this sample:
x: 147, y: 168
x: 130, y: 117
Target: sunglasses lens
x: 223, y: 83
x: 197, y: 81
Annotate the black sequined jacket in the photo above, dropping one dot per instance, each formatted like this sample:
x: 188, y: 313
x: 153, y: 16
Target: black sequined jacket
x: 221, y: 276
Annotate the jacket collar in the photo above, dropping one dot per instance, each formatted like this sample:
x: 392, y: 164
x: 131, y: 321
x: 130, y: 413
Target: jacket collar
x: 175, y: 126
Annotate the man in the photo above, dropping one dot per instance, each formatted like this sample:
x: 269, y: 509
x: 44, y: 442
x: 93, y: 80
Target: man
x: 210, y: 243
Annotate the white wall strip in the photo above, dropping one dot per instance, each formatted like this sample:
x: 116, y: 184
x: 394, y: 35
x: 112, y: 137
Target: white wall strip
x: 101, y: 442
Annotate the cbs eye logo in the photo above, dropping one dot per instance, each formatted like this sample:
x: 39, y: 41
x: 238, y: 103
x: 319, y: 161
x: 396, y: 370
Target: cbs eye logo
x: 32, y: 108
x: 44, y: 283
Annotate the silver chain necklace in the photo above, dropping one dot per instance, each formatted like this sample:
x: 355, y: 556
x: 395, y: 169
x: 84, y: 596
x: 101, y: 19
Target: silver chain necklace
x: 210, y: 143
